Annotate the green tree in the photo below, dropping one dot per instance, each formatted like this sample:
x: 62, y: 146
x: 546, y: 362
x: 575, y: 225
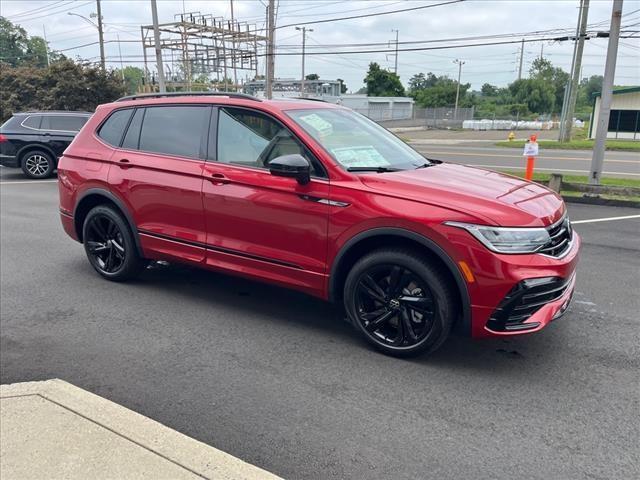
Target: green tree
x: 64, y: 85
x: 441, y: 92
x: 542, y: 69
x: 312, y: 76
x: 420, y: 81
x: 536, y: 94
x: 133, y: 79
x: 18, y: 49
x: 382, y: 83
x: 489, y: 90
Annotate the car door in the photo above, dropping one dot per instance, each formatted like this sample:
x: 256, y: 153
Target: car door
x: 58, y: 130
x: 259, y: 224
x: 158, y: 172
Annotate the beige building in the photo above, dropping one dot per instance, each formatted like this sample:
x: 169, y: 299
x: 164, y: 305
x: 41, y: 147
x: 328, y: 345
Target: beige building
x: 624, y: 121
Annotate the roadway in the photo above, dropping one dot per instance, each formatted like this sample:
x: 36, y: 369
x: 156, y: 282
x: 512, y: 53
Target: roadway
x: 278, y: 379
x: 572, y: 162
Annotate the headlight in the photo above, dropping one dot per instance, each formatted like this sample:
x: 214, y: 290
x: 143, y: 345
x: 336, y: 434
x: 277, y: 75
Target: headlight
x: 507, y: 239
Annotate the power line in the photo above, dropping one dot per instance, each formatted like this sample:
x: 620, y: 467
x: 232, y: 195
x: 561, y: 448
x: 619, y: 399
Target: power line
x: 450, y: 2
x: 44, y: 7
x: 49, y: 14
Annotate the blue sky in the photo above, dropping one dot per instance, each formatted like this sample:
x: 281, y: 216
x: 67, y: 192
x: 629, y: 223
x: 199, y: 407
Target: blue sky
x: 493, y: 64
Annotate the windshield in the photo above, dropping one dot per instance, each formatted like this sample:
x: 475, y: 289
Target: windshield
x: 356, y: 142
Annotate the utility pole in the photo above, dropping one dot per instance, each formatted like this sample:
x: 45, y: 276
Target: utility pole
x: 233, y: 57
x: 100, y: 37
x: 395, y: 66
x: 46, y: 45
x: 304, y: 31
x: 156, y: 38
x: 460, y: 63
x: 521, y: 59
x: 607, y: 94
x: 565, y: 131
x: 120, y: 53
x: 271, y: 32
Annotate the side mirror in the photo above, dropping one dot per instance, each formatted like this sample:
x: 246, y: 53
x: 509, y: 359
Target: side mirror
x: 292, y: 166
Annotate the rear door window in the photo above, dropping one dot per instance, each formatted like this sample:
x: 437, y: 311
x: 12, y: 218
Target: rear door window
x: 175, y: 130
x: 112, y: 130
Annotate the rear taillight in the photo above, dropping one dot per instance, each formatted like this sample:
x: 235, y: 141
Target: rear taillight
x: 3, y: 138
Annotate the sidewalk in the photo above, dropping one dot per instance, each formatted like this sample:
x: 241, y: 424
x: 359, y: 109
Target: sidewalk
x: 54, y: 430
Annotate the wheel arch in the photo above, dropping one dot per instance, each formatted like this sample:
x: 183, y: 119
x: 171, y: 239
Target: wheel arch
x: 31, y: 147
x: 364, y: 242
x: 98, y: 196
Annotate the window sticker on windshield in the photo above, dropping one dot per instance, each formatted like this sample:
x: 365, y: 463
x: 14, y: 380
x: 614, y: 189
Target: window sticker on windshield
x: 318, y: 123
x: 363, y: 156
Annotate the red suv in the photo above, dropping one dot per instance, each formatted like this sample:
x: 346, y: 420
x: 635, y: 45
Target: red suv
x: 316, y: 197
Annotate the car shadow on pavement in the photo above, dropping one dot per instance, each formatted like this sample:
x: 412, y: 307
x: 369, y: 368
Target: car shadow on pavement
x: 255, y: 301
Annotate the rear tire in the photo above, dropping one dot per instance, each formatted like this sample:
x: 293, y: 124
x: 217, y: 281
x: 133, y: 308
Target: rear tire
x: 38, y: 164
x: 402, y: 304
x: 110, y: 245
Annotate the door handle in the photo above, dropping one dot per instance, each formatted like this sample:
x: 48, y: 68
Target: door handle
x: 219, y: 179
x: 124, y: 163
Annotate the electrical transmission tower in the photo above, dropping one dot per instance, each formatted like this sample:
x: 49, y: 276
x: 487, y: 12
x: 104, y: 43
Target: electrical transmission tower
x: 205, y: 45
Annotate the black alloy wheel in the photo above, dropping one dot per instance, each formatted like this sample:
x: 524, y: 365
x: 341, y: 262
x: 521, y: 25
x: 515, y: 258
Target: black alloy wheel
x: 105, y: 243
x: 394, y: 305
x: 110, y: 245
x: 402, y: 304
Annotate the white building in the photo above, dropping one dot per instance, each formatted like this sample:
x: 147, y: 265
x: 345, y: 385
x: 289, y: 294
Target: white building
x: 380, y: 108
x: 624, y: 121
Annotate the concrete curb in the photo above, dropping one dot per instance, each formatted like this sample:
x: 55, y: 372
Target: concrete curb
x: 196, y: 458
x: 601, y: 201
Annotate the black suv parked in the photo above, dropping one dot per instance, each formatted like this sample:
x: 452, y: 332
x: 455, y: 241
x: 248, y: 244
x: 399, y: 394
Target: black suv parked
x: 33, y: 141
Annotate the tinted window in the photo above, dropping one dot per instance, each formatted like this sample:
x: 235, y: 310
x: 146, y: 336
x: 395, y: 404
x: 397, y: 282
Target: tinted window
x: 113, y: 129
x: 67, y: 123
x: 132, y: 137
x: 32, y: 122
x: 174, y: 130
x: 253, y: 139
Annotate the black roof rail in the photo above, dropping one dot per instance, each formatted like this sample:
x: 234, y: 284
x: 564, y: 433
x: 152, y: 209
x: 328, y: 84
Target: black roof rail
x: 311, y: 99
x: 188, y: 94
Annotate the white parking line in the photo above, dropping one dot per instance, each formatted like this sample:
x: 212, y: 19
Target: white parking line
x: 18, y: 182
x: 608, y: 219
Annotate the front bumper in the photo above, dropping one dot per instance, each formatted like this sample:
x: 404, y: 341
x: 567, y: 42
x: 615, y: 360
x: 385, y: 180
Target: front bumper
x: 496, y: 276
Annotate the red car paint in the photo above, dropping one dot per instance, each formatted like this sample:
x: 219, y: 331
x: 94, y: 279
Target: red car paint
x: 245, y: 221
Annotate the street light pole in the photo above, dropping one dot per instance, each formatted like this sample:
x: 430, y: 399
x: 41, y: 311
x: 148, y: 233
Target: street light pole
x: 460, y: 63
x: 100, y: 36
x: 304, y: 31
x: 607, y: 94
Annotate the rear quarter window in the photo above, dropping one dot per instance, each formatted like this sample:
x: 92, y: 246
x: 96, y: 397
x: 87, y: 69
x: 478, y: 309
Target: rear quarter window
x: 32, y: 121
x: 63, y: 123
x: 113, y: 128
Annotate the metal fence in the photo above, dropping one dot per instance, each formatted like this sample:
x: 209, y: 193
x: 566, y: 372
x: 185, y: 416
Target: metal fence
x: 442, y: 117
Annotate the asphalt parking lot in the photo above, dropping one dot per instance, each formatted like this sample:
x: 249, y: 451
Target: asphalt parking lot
x: 279, y: 380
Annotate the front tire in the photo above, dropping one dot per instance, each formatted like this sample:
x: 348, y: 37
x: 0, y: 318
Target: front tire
x: 110, y: 245
x: 38, y: 164
x: 402, y: 304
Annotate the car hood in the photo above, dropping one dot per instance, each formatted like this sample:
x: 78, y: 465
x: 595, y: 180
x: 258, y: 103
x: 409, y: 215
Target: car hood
x: 494, y: 197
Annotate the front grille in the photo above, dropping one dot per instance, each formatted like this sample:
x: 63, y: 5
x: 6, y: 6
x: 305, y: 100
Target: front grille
x: 525, y: 299
x: 561, y: 235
